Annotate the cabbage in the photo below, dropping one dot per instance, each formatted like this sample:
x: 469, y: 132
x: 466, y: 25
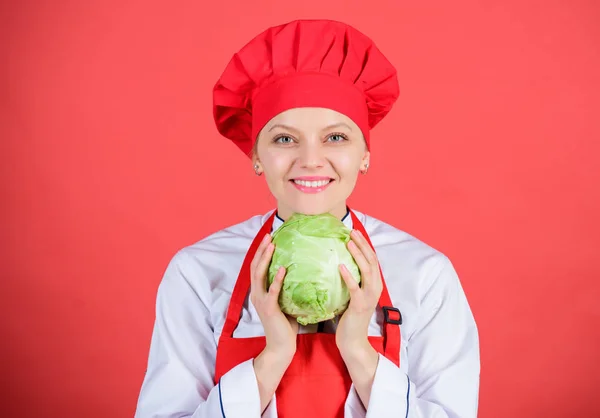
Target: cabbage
x: 311, y: 248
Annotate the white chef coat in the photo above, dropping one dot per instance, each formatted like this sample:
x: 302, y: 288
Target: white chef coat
x: 439, y: 368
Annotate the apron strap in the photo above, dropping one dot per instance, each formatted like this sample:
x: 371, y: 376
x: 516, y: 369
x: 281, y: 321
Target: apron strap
x: 392, y: 316
x: 242, y: 285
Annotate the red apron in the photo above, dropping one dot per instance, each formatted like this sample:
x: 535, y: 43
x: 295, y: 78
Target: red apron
x: 317, y: 382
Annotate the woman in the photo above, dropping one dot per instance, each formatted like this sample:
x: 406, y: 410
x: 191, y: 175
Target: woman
x: 300, y: 99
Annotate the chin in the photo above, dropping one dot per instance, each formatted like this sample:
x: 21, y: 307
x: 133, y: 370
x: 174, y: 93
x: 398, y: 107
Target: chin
x: 311, y: 208
x: 311, y: 211
x: 327, y: 201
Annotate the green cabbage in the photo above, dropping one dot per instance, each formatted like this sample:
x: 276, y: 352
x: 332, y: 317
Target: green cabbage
x: 311, y: 248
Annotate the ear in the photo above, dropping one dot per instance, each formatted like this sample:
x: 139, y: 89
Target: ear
x: 254, y: 157
x: 364, y: 162
x: 256, y: 166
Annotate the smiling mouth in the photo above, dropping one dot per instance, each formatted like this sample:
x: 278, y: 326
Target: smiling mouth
x: 312, y: 183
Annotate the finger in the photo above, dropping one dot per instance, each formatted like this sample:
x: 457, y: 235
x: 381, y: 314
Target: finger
x: 351, y: 284
x: 364, y: 246
x: 363, y: 265
x: 260, y: 273
x: 260, y: 250
x: 275, y: 287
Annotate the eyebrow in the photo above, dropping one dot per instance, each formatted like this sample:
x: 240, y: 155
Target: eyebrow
x: 291, y: 128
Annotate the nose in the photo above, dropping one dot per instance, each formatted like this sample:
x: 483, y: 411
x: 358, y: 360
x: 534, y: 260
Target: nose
x: 311, y: 155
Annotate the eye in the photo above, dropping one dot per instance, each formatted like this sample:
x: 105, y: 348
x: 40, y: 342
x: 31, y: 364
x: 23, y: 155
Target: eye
x: 337, y: 137
x: 283, y: 139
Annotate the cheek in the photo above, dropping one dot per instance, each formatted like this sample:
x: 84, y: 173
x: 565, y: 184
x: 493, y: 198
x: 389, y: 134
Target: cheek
x: 346, y: 165
x: 276, y: 167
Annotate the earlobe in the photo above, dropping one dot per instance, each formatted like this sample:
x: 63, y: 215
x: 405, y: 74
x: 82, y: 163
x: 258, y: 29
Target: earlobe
x: 365, y: 168
x: 365, y: 163
x: 257, y: 169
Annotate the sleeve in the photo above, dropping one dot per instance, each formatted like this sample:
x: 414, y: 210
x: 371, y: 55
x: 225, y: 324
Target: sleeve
x: 179, y: 378
x: 444, y: 366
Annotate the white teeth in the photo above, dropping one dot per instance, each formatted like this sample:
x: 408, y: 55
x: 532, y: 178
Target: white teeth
x: 319, y: 183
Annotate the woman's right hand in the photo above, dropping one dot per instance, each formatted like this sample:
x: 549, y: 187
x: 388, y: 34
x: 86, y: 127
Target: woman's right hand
x: 280, y: 330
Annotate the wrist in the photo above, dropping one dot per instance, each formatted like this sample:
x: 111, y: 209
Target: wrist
x: 356, y: 350
x: 352, y: 331
x: 361, y: 361
x: 274, y: 359
x: 269, y: 368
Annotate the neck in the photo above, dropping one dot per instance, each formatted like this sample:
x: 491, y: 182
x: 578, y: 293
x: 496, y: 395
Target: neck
x: 339, y: 212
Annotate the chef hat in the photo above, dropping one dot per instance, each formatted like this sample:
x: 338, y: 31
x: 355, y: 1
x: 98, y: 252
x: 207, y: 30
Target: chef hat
x: 304, y: 63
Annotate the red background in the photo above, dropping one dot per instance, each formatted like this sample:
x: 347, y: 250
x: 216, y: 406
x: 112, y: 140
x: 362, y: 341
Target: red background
x: 110, y: 162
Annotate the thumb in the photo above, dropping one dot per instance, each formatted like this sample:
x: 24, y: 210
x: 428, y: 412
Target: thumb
x: 293, y: 323
x: 351, y: 283
x: 275, y: 287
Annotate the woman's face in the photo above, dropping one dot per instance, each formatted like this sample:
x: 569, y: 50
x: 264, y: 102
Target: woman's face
x: 311, y: 158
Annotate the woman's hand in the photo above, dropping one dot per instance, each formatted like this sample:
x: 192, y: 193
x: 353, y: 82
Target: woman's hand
x: 352, y: 331
x: 353, y: 326
x: 280, y: 330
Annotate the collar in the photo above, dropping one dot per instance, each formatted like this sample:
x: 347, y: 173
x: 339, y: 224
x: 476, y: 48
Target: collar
x: 277, y: 222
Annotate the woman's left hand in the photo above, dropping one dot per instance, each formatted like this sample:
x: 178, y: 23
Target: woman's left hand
x: 352, y: 329
x: 351, y: 335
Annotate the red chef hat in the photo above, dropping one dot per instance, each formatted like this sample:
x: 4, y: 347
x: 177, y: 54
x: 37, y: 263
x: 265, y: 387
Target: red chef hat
x: 304, y: 63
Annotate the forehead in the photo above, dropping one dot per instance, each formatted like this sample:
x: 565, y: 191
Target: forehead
x: 312, y: 119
